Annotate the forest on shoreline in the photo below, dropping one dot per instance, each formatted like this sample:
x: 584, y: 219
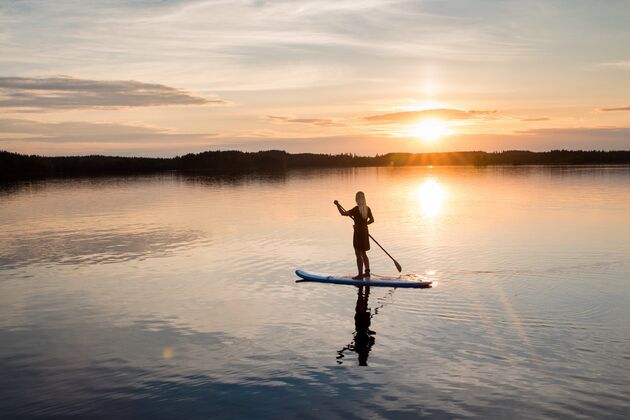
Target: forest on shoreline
x: 14, y: 166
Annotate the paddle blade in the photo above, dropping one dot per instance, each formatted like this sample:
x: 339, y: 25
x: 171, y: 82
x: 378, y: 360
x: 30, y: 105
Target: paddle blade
x: 398, y: 266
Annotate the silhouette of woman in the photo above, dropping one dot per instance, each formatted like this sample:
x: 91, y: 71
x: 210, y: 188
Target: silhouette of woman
x: 362, y: 216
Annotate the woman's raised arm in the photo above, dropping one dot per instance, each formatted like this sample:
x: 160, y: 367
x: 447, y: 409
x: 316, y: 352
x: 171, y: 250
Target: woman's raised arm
x: 341, y: 210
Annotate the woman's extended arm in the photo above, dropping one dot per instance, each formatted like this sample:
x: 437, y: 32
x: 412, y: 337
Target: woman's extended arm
x: 370, y: 218
x: 341, y: 211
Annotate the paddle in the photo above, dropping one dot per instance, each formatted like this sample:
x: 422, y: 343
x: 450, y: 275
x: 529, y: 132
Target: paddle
x: 398, y: 267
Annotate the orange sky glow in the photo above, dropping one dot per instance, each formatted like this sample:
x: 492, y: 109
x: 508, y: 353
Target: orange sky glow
x: 365, y: 77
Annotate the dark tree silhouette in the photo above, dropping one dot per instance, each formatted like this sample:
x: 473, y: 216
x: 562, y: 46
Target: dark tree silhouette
x: 14, y: 166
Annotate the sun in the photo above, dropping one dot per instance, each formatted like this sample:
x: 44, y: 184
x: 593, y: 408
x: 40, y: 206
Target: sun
x: 430, y: 130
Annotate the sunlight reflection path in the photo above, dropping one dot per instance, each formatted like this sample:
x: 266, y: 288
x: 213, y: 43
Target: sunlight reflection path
x: 431, y: 194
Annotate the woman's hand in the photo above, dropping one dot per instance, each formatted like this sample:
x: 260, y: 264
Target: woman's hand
x: 341, y: 211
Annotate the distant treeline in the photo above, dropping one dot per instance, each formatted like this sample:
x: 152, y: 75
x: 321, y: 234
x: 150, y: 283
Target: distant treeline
x: 15, y: 166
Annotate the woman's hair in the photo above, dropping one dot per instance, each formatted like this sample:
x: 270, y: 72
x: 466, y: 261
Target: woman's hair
x: 363, y: 208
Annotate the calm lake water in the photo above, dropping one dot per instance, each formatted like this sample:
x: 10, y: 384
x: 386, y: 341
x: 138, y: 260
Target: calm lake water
x: 174, y: 296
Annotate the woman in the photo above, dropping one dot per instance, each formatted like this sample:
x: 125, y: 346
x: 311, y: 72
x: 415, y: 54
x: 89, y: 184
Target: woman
x: 362, y: 216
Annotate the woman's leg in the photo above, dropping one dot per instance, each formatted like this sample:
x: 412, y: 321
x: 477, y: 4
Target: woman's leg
x: 366, y: 262
x: 359, y: 261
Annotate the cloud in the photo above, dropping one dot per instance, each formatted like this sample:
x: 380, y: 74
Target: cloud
x: 582, y: 135
x: 155, y: 142
x: 441, y: 113
x: 322, y: 122
x: 64, y: 92
x: 534, y: 119
x: 254, y: 45
x: 621, y: 108
x: 45, y: 129
x: 606, y: 138
x: 620, y: 65
x: 30, y: 131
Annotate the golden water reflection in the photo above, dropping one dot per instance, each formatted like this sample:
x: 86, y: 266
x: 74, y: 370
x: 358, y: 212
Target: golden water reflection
x: 432, y: 195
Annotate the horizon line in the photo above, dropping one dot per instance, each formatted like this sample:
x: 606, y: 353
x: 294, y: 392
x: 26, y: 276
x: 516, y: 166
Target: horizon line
x: 320, y: 154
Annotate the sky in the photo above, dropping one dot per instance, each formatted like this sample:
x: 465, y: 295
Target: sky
x: 170, y: 77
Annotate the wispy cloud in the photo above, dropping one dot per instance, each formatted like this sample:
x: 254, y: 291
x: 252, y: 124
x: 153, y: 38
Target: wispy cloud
x: 63, y: 92
x: 15, y: 129
x: 534, y: 119
x: 607, y: 138
x: 580, y: 133
x: 449, y: 114
x: 621, y: 108
x: 237, y: 45
x: 621, y: 65
x: 322, y: 122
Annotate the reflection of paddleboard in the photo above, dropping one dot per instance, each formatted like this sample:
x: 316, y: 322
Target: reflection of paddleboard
x: 406, y: 280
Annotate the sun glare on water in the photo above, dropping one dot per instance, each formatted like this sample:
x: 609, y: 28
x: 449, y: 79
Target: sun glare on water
x: 430, y: 130
x: 431, y: 195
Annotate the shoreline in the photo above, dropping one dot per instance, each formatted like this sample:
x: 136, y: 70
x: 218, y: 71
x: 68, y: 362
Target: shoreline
x: 17, y: 167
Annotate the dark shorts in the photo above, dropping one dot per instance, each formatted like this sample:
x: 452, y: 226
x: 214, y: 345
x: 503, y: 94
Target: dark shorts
x: 361, y: 239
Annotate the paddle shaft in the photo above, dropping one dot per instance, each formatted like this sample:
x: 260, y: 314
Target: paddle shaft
x: 398, y: 266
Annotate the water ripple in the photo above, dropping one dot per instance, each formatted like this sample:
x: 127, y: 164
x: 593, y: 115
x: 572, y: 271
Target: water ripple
x: 98, y: 246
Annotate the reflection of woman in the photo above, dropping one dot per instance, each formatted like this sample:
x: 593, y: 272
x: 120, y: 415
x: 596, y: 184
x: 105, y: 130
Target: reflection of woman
x: 363, y: 337
x: 362, y: 216
x: 363, y: 340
